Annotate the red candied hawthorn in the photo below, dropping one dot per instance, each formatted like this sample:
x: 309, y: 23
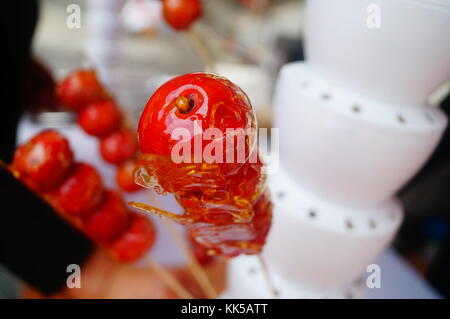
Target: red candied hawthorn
x: 190, y: 101
x: 226, y: 207
x: 80, y: 89
x: 81, y: 192
x: 239, y: 238
x: 118, y: 146
x: 125, y: 177
x: 200, y: 252
x: 180, y: 14
x: 100, y: 118
x: 109, y: 220
x: 44, y: 161
x: 136, y: 240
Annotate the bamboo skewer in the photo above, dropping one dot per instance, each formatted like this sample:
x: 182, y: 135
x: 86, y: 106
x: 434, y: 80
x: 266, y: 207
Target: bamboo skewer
x: 169, y: 279
x: 196, y: 269
x: 201, y: 50
x: 267, y: 276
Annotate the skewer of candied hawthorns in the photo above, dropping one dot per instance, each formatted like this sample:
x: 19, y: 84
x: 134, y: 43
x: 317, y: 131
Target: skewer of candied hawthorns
x: 180, y: 15
x: 227, y: 207
x: 98, y: 115
x: 75, y: 190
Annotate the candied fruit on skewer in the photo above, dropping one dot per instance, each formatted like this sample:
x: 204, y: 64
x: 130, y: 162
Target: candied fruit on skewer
x: 100, y: 118
x: 80, y: 192
x: 125, y: 177
x: 180, y: 14
x: 135, y: 241
x: 226, y: 206
x: 118, y: 147
x: 80, y: 89
x: 236, y: 238
x: 44, y: 161
x: 76, y: 192
x: 109, y: 220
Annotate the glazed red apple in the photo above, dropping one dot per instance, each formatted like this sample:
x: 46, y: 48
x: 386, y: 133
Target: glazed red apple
x: 109, y: 220
x: 80, y: 89
x: 190, y: 101
x: 180, y: 14
x: 119, y: 146
x: 135, y: 241
x: 125, y: 177
x: 44, y: 161
x: 100, y: 118
x: 81, y: 192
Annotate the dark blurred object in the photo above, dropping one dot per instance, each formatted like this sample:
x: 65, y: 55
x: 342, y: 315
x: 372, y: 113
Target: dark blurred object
x: 17, y: 26
x: 291, y: 49
x: 39, y: 88
x: 439, y: 268
x: 424, y: 235
x: 35, y: 244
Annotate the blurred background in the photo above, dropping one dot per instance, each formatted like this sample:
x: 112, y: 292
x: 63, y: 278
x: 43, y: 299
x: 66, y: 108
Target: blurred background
x: 249, y: 40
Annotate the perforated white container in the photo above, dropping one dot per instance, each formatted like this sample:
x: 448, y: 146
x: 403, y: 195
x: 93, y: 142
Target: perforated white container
x: 321, y: 245
x: 315, y: 249
x: 345, y: 147
x: 401, y: 62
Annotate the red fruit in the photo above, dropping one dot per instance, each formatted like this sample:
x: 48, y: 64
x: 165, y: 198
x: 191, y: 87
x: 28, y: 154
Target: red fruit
x: 200, y: 252
x: 237, y: 238
x: 100, y: 118
x: 44, y: 161
x: 119, y: 146
x: 109, y: 220
x: 180, y: 14
x: 135, y: 241
x: 80, y: 89
x: 125, y: 177
x: 81, y: 192
x: 190, y: 101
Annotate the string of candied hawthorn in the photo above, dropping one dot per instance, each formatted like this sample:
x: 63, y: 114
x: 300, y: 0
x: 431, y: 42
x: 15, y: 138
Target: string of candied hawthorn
x: 98, y: 115
x: 227, y: 208
x: 75, y: 190
x: 181, y: 15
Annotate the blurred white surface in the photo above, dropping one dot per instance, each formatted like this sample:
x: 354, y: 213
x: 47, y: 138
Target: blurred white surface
x: 398, y: 281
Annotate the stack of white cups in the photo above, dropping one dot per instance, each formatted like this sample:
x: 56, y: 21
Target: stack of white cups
x: 354, y: 127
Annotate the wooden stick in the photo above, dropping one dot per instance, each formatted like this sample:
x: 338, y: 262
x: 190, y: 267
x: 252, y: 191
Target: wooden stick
x: 196, y: 269
x: 201, y: 50
x: 267, y: 276
x: 169, y: 279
